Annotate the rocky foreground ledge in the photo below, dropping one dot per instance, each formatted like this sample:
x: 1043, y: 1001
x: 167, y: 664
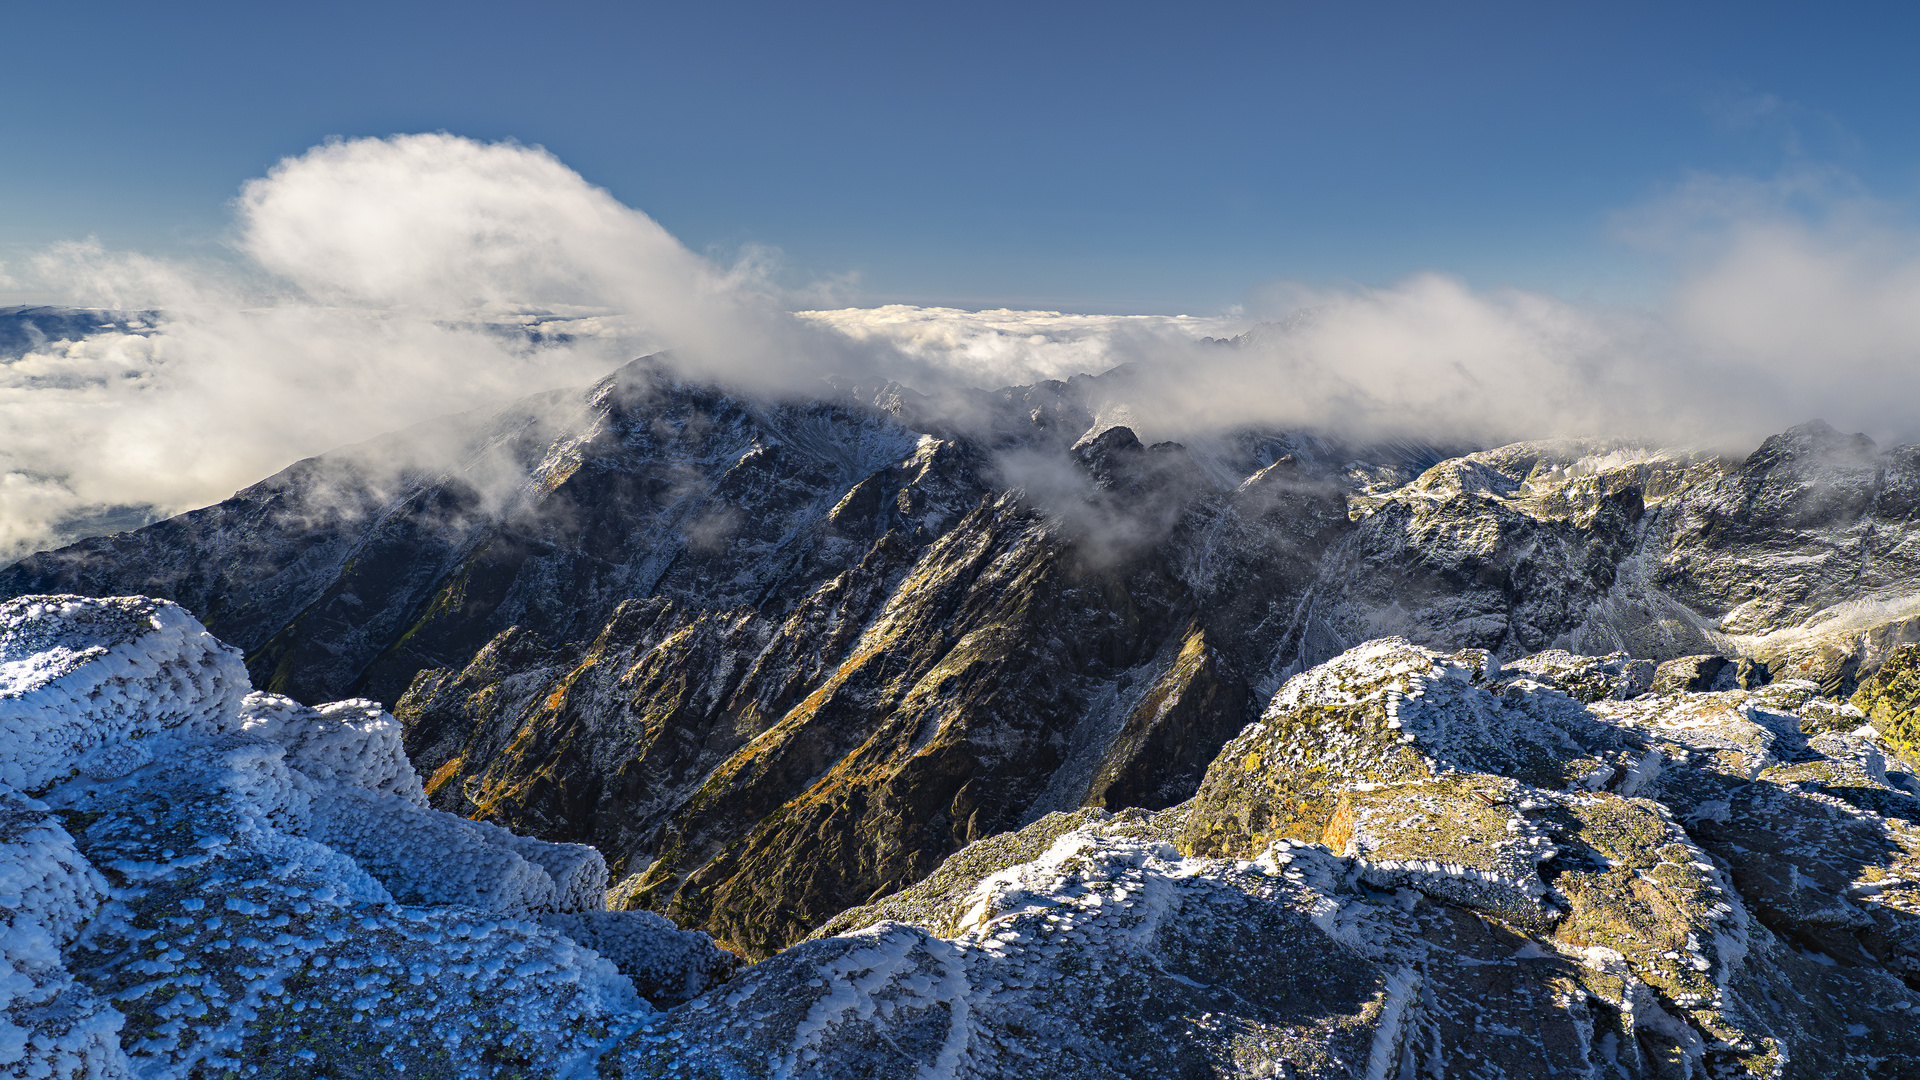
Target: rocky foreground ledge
x: 1414, y: 864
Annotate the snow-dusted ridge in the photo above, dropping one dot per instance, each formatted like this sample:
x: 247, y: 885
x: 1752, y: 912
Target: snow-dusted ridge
x: 1416, y: 864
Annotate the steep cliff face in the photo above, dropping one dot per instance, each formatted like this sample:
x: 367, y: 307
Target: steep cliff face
x: 1801, y: 555
x: 1804, y: 556
x: 926, y: 696
x: 1505, y: 550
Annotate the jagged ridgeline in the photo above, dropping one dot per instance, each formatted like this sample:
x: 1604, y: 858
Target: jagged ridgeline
x: 777, y: 658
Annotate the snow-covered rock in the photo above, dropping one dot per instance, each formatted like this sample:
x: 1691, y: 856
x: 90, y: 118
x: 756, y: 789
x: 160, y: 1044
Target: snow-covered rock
x: 88, y: 687
x: 207, y: 882
x: 50, y: 1025
x: 1698, y: 846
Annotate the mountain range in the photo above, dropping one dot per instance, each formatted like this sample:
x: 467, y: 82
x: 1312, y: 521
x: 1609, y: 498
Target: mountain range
x: 970, y: 681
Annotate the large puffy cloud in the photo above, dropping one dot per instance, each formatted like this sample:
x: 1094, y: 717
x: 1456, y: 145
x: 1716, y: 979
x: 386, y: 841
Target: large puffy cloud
x: 379, y: 284
x: 448, y: 225
x: 441, y: 226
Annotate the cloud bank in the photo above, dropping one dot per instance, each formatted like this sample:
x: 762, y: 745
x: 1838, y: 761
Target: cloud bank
x: 1768, y: 318
x: 995, y: 348
x: 381, y: 282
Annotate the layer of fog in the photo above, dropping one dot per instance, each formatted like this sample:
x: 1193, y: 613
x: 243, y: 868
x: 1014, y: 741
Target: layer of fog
x: 1785, y: 323
x: 380, y: 282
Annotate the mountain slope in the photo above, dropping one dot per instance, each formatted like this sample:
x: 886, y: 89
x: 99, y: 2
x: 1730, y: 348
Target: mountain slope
x: 1414, y: 863
x: 775, y: 657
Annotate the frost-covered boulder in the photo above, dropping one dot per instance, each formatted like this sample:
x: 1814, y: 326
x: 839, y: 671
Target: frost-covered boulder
x: 340, y: 746
x: 1685, y: 674
x: 50, y: 1025
x: 209, y: 882
x: 92, y: 686
x: 367, y: 801
x: 1385, y: 712
x: 1587, y: 678
x: 666, y: 964
x: 1462, y: 837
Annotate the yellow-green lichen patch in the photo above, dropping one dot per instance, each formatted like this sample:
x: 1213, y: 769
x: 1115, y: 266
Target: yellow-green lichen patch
x: 1891, y: 702
x: 1460, y: 837
x: 1635, y: 885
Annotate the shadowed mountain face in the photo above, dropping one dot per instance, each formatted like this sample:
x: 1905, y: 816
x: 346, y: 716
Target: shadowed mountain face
x: 774, y: 658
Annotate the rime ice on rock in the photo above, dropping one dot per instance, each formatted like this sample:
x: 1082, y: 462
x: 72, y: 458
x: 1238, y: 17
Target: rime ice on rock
x: 223, y: 883
x: 346, y: 744
x: 85, y: 684
x: 50, y: 1025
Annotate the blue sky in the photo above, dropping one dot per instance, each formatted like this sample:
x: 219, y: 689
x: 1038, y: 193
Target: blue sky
x: 1111, y: 157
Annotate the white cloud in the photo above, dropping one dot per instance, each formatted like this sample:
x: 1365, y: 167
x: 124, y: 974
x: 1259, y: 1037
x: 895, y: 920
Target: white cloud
x: 1832, y: 319
x: 372, y: 276
x: 999, y: 347
x: 1788, y: 298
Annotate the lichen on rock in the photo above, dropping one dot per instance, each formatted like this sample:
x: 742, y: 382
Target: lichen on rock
x: 1891, y: 702
x: 1693, y: 849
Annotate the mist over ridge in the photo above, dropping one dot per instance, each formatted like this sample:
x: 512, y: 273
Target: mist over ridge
x: 379, y: 283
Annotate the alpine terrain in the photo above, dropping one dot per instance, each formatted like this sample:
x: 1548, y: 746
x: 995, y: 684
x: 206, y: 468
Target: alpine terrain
x: 665, y: 729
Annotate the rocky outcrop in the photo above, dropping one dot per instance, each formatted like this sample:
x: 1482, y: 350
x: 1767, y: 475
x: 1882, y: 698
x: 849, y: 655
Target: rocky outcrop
x: 1692, y: 674
x: 1703, y: 844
